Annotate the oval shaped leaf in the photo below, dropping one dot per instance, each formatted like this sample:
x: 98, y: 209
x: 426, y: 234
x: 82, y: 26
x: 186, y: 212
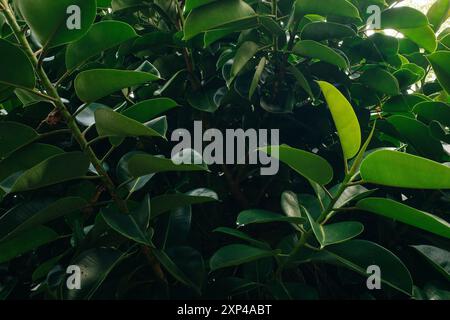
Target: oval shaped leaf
x: 398, y: 169
x: 100, y: 37
x: 215, y: 15
x: 316, y: 50
x: 344, y: 118
x: 236, y: 254
x: 308, y: 164
x: 403, y: 213
x: 95, y: 84
x: 261, y: 216
x: 15, y: 67
x: 58, y: 22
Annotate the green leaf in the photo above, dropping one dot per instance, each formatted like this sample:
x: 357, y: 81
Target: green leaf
x: 439, y: 61
x: 430, y: 111
x: 305, y: 163
x: 319, y: 31
x: 56, y: 169
x: 192, y: 4
x: 243, y: 55
x: 438, y: 13
x: 49, y: 20
x: 402, y: 18
x: 261, y: 216
x: 215, y: 15
x: 168, y: 202
x: 87, y: 115
x: 243, y: 236
x: 257, y: 77
x: 144, y: 164
x: 439, y: 258
x: 173, y: 269
x: 25, y: 242
x: 132, y: 226
x: 95, y: 264
x: 357, y: 255
x: 398, y: 169
x: 237, y: 254
x: 124, y: 175
x: 316, y: 50
x: 423, y: 36
x: 95, y: 84
x: 113, y: 124
x: 417, y: 134
x: 301, y: 81
x: 149, y: 109
x: 334, y: 233
x: 34, y: 213
x: 13, y: 136
x: 15, y: 68
x: 403, y: 213
x: 381, y: 81
x: 27, y: 158
x: 100, y: 37
x: 412, y: 23
x: 344, y: 118
x: 342, y: 8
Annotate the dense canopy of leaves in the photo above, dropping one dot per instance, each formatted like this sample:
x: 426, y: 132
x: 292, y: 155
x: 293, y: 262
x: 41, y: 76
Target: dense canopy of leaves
x: 86, y: 177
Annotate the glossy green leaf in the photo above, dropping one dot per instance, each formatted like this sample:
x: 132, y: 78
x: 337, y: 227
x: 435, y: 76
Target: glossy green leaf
x: 403, y: 213
x: 56, y: 169
x: 334, y: 233
x: 124, y: 176
x: 402, y: 18
x: 245, y: 52
x: 342, y: 8
x: 132, y: 226
x: 243, y: 236
x: 216, y: 15
x: 100, y: 37
x: 438, y: 13
x: 15, y: 68
x: 316, y: 50
x: 56, y: 22
x: 417, y: 134
x: 358, y: 255
x: 439, y: 258
x: 86, y: 116
x: 257, y: 76
x: 113, y: 124
x: 95, y: 264
x: 34, y: 213
x: 149, y: 109
x: 398, y: 169
x: 95, y: 84
x: 307, y: 164
x: 302, y: 82
x: 423, y: 36
x: 319, y: 31
x: 192, y: 4
x: 344, y: 118
x: 439, y: 61
x: 429, y: 111
x: 167, y: 202
x: 236, y: 254
x: 173, y: 269
x: 26, y: 158
x: 261, y: 216
x: 13, y: 136
x: 25, y: 242
x: 144, y: 164
x: 381, y: 81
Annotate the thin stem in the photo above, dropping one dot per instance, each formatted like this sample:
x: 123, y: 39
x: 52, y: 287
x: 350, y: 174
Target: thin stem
x: 52, y: 92
x: 110, y: 151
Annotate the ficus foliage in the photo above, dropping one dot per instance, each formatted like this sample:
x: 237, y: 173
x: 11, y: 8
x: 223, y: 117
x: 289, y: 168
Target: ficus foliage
x: 86, y: 177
